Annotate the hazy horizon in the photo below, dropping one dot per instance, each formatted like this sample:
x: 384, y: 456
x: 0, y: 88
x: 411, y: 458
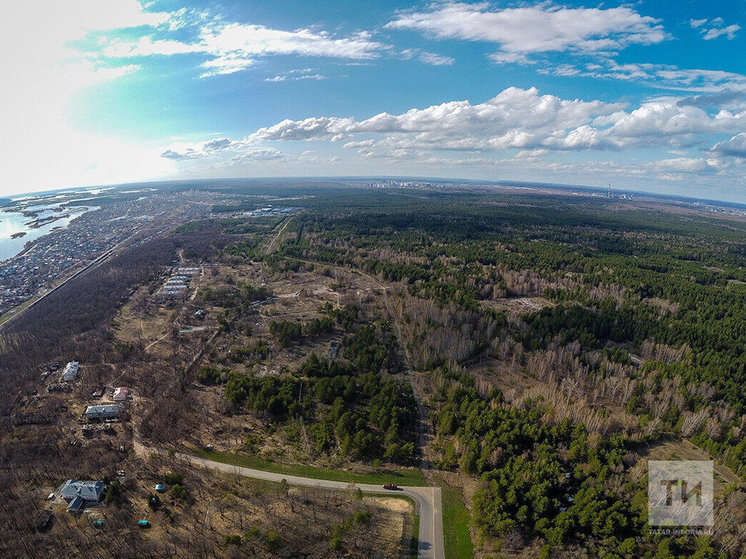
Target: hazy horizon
x: 650, y: 97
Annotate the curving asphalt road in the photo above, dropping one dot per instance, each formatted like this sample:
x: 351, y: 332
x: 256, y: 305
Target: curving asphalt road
x: 427, y: 499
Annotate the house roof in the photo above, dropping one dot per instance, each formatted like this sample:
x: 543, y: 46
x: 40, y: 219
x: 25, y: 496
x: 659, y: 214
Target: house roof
x: 71, y: 370
x: 104, y: 409
x: 85, y: 490
x: 75, y: 505
x: 121, y: 393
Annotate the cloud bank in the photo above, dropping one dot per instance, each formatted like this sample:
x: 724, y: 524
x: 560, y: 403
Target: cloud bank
x: 520, y: 119
x: 518, y: 128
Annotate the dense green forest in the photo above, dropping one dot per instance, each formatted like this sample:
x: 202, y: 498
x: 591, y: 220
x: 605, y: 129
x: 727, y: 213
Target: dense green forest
x: 640, y: 311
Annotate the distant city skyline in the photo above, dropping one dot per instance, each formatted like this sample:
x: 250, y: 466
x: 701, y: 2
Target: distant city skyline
x: 649, y: 96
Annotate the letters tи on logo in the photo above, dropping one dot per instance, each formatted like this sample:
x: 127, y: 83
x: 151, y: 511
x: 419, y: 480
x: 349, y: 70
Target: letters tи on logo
x: 680, y: 493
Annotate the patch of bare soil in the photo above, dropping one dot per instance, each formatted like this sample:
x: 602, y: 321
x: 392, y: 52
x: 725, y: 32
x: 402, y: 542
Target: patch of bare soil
x: 518, y: 305
x: 685, y: 450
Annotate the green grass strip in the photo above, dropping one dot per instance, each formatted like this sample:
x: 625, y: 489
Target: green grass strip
x: 457, y: 540
x: 401, y: 476
x: 414, y: 543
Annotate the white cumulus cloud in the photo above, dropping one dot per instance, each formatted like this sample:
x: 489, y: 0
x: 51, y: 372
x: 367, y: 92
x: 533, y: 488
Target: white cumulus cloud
x: 716, y: 32
x: 234, y: 44
x: 515, y: 118
x: 222, y: 152
x: 431, y: 58
x: 541, y: 28
x: 525, y: 120
x: 233, y: 47
x: 735, y: 146
x: 714, y: 28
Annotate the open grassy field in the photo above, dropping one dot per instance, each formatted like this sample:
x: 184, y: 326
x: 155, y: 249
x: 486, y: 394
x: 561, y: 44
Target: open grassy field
x: 684, y: 450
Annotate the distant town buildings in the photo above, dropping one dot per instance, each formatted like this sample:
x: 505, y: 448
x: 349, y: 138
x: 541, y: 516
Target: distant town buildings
x: 267, y: 212
x: 48, y: 260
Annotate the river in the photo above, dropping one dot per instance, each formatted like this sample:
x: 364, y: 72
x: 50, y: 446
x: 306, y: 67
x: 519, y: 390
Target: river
x: 28, y: 227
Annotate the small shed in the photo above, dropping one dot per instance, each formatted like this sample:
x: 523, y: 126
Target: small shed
x: 333, y: 351
x: 121, y: 393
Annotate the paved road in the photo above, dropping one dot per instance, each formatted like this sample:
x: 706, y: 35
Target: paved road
x: 427, y: 498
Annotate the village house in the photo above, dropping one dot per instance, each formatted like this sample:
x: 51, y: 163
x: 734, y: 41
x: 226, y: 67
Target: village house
x: 71, y: 372
x: 105, y: 412
x: 80, y: 494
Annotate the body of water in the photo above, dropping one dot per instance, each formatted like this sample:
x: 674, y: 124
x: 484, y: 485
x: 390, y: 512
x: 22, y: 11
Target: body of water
x: 13, y: 223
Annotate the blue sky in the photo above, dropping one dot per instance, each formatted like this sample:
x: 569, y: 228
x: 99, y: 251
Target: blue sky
x: 649, y: 95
